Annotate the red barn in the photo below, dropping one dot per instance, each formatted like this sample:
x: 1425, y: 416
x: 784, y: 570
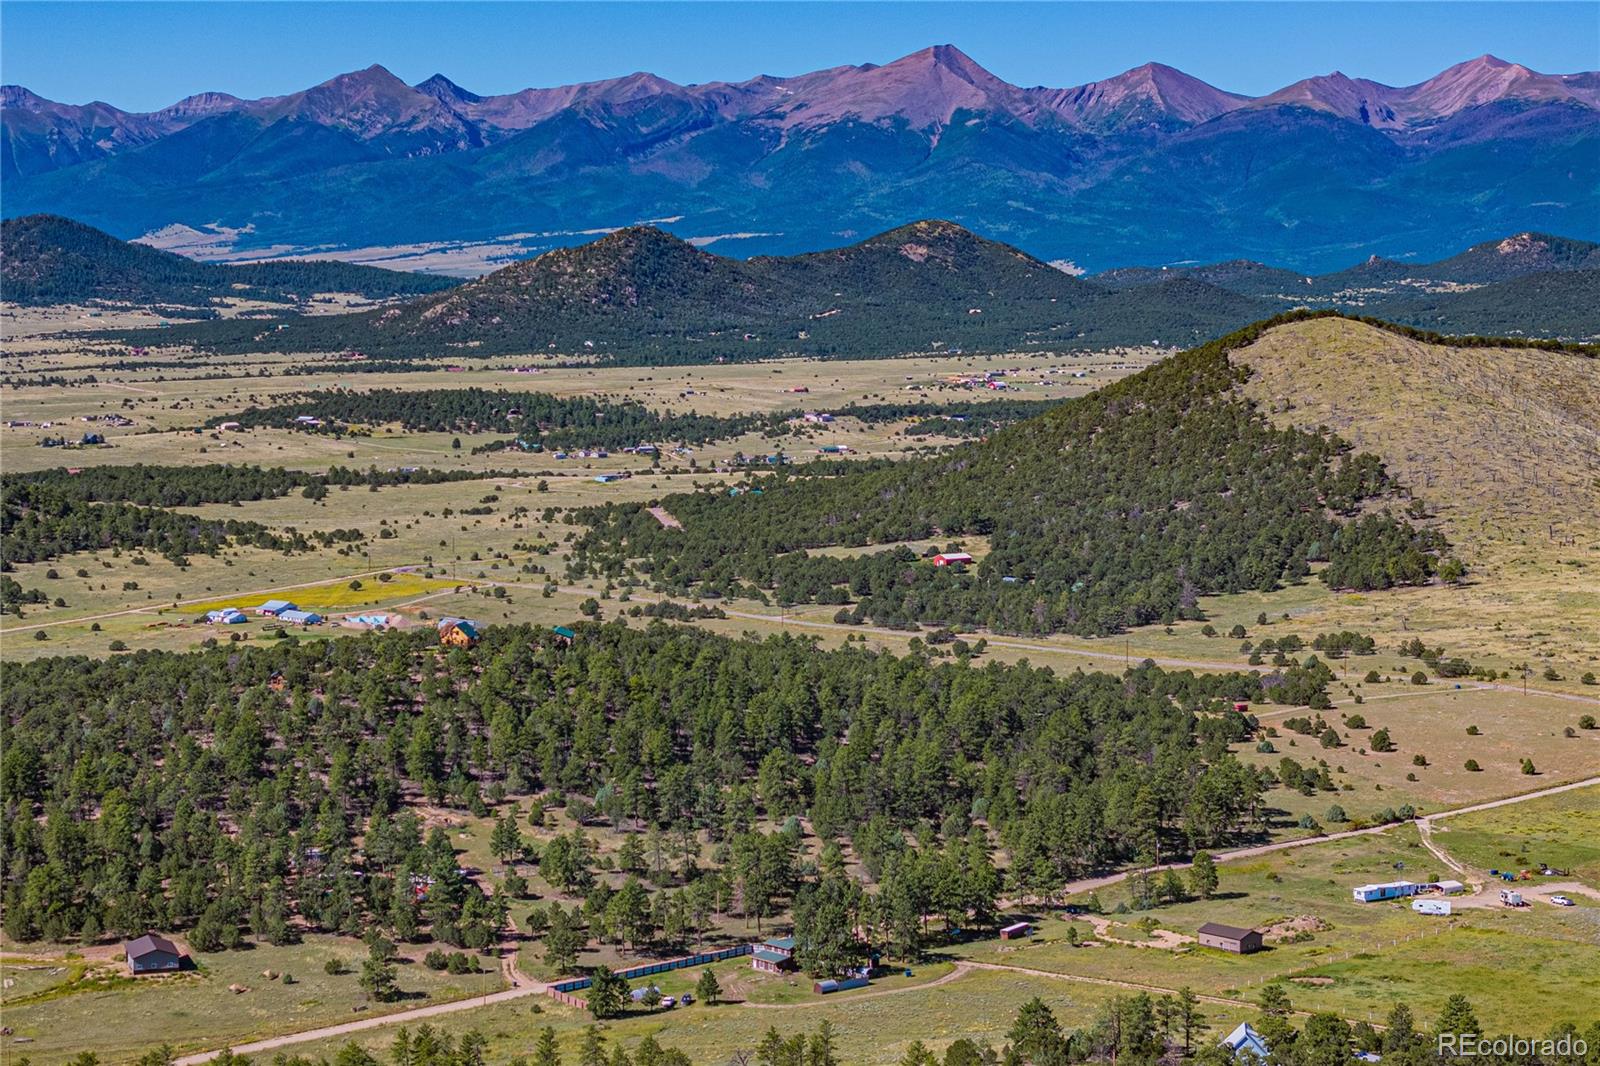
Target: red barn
x: 952, y: 559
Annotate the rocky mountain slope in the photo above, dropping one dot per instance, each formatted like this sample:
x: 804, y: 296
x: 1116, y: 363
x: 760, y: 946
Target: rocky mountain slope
x: 1151, y: 165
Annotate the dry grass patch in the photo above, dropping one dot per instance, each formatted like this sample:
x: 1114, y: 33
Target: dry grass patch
x: 1504, y: 447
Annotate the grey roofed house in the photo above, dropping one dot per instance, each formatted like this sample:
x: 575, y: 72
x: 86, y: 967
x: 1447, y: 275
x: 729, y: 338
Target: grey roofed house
x: 152, y: 953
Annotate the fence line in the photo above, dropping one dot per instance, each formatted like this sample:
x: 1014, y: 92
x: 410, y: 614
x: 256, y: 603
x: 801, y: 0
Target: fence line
x: 561, y: 991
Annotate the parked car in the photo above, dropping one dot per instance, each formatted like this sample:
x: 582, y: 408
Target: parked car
x: 1561, y: 901
x: 686, y: 999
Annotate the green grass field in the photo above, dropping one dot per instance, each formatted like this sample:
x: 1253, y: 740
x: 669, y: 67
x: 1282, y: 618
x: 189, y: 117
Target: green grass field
x: 875, y: 1031
x: 1528, y: 968
x: 1560, y: 831
x: 118, y: 1017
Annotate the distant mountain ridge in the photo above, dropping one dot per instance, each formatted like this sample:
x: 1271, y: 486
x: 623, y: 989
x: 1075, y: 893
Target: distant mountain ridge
x: 925, y: 88
x: 45, y: 260
x: 1151, y: 164
x: 642, y: 296
x: 1483, y: 264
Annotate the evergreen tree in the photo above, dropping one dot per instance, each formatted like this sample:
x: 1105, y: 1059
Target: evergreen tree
x: 1457, y: 1016
x: 707, y: 989
x: 608, y: 993
x: 545, y: 1050
x: 1203, y: 875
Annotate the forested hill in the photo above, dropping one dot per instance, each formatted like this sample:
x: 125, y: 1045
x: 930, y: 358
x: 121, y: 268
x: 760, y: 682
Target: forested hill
x: 669, y: 726
x: 45, y: 259
x: 1112, y: 510
x: 643, y: 296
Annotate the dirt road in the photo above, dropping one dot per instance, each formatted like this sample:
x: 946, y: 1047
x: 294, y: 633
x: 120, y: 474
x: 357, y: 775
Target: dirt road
x: 529, y: 987
x: 156, y: 608
x: 961, y: 969
x: 1482, y: 889
x: 1089, y: 884
x: 1109, y: 654
x: 404, y: 1017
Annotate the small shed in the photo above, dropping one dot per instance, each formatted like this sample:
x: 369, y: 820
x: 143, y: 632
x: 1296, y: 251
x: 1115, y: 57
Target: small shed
x: 1230, y: 938
x: 1016, y: 931
x: 564, y: 636
x: 1450, y: 888
x: 841, y: 984
x: 152, y: 954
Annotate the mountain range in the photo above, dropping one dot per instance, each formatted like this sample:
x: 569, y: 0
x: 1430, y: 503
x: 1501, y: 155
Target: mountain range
x: 1151, y: 166
x: 640, y: 295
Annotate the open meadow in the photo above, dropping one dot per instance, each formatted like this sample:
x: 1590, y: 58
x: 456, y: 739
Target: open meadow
x: 1560, y: 832
x: 1530, y: 967
x: 1509, y: 539
x: 871, y: 1030
x: 60, y: 1002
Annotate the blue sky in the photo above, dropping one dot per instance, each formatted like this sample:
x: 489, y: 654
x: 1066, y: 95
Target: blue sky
x: 142, y: 56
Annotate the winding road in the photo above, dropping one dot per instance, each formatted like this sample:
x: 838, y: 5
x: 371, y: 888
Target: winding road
x: 524, y: 986
x: 1089, y: 884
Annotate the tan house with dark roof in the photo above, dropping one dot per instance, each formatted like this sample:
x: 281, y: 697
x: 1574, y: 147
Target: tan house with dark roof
x: 1230, y: 938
